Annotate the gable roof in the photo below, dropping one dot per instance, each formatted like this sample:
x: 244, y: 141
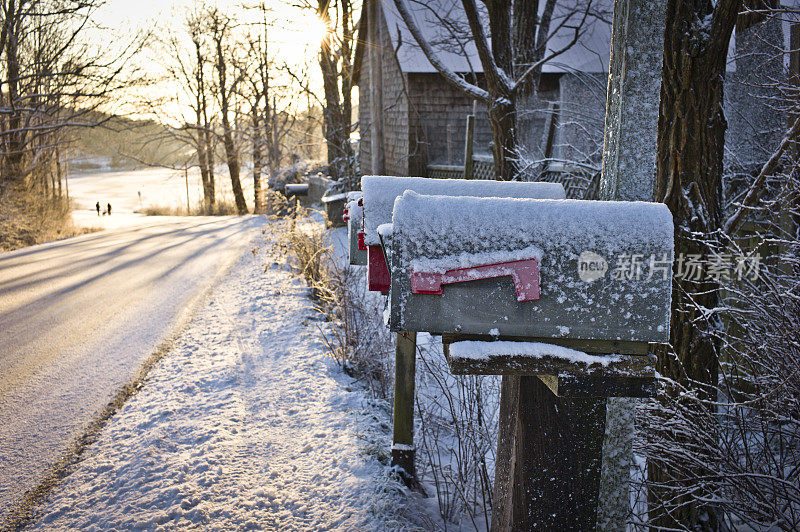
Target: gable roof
x: 590, y: 54
x: 444, y: 25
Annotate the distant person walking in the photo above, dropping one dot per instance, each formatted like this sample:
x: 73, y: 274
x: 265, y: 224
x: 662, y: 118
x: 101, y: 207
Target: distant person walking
x: 109, y: 209
x: 98, y: 208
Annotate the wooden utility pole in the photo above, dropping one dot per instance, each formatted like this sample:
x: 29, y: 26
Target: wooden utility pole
x: 549, y: 453
x: 186, y: 179
x: 629, y: 174
x: 634, y: 87
x: 378, y: 155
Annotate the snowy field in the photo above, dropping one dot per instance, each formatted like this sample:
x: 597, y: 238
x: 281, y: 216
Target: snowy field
x: 159, y: 187
x: 246, y: 424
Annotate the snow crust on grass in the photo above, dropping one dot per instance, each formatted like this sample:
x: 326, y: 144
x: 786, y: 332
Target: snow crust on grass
x: 246, y: 424
x: 380, y: 193
x: 476, y: 350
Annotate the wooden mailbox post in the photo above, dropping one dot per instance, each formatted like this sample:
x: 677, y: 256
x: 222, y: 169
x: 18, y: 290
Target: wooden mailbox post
x: 565, y: 296
x: 379, y: 195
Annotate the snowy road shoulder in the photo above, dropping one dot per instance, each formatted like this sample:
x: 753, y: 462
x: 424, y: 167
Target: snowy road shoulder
x: 245, y: 424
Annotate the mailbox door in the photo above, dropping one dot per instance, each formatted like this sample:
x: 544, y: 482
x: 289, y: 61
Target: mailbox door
x: 358, y: 256
x: 378, y: 279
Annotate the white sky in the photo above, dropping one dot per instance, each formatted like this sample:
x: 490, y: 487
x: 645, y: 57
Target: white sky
x: 294, y: 39
x: 293, y: 23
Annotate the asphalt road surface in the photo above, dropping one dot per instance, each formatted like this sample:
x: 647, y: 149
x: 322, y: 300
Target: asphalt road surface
x: 78, y: 317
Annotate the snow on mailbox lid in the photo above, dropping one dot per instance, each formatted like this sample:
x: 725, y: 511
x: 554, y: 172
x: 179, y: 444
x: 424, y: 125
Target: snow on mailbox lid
x: 381, y: 191
x: 603, y: 269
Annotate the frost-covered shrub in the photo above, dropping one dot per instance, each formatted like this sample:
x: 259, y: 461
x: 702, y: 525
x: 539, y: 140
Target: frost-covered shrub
x: 738, y: 442
x: 456, y: 436
x: 360, y: 342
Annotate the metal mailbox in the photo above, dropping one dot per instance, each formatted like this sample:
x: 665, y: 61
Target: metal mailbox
x: 380, y: 193
x: 588, y: 275
x: 354, y: 217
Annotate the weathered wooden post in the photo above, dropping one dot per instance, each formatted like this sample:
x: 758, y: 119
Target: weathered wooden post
x: 629, y: 173
x: 468, y: 146
x: 403, y: 450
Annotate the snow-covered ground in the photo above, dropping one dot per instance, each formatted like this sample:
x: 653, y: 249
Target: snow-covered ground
x: 246, y: 424
x: 129, y: 191
x: 158, y: 187
x: 79, y: 317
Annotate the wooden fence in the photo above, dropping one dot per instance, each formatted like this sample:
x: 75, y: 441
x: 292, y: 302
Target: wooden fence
x: 579, y: 183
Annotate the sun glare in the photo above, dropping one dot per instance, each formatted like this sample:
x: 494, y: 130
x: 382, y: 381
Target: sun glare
x: 315, y: 30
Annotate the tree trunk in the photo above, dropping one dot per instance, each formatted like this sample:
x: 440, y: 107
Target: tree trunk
x: 208, y: 149
x: 378, y: 156
x: 502, y: 119
x: 59, y: 171
x: 234, y: 168
x: 347, y: 91
x: 231, y: 153
x: 210, y: 162
x: 206, y: 176
x: 202, y: 161
x: 333, y: 126
x: 257, y: 160
x: 274, y: 154
x: 501, y: 108
x: 14, y: 132
x: 691, y: 135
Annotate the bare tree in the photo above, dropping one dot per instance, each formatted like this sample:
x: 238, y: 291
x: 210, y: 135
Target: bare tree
x: 219, y: 31
x: 721, y: 443
x: 51, y: 80
x: 256, y: 76
x: 336, y: 59
x: 520, y: 33
x: 203, y: 127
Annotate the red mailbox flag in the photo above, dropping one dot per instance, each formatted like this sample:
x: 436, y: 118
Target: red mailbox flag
x: 525, y: 274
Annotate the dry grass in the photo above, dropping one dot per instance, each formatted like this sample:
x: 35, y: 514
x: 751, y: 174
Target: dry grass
x: 222, y: 207
x: 27, y: 218
x: 358, y: 341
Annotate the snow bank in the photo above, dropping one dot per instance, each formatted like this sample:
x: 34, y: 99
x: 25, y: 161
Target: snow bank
x: 475, y: 350
x: 437, y: 227
x: 380, y: 193
x: 246, y: 424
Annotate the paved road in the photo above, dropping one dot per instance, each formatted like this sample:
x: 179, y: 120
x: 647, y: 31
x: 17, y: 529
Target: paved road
x: 78, y: 317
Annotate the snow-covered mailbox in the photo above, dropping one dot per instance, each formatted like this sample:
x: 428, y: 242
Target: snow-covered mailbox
x: 354, y: 217
x: 575, y: 290
x: 380, y: 193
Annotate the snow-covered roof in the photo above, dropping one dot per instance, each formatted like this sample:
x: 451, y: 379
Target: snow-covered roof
x: 444, y: 24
